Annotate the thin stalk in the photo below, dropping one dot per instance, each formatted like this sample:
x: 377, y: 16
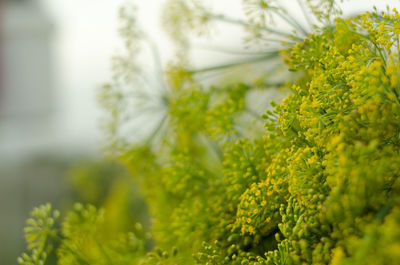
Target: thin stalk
x: 291, y: 22
x: 380, y: 54
x: 229, y: 51
x: 210, y: 75
x: 303, y: 10
x: 139, y: 113
x: 268, y: 56
x: 246, y: 24
x: 157, y: 129
x: 281, y: 41
x: 157, y: 61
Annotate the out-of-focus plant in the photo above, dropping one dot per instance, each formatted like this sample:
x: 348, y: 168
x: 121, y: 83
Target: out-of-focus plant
x: 105, y: 184
x: 81, y: 239
x: 312, y: 181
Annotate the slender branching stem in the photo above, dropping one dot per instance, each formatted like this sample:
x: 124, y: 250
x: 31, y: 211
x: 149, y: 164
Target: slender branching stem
x: 226, y: 19
x: 229, y: 51
x: 305, y: 13
x: 291, y: 22
x: 267, y: 56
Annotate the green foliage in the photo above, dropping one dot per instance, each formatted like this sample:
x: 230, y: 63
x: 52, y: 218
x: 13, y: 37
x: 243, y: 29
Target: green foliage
x: 318, y: 184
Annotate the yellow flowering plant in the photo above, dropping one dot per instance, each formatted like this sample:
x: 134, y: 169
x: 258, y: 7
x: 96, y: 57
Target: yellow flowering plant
x: 314, y: 180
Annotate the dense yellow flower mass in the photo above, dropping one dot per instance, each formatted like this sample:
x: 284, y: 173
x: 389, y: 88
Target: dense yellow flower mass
x: 320, y: 185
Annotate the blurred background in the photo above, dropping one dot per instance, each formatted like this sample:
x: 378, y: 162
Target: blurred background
x: 54, y: 54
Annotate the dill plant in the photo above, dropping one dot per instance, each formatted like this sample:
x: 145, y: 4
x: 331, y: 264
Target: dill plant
x: 312, y: 181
